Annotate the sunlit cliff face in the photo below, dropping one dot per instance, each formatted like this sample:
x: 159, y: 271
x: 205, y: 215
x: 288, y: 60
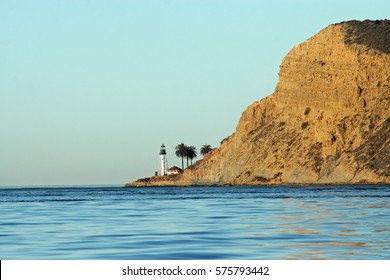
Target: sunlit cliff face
x: 328, y: 120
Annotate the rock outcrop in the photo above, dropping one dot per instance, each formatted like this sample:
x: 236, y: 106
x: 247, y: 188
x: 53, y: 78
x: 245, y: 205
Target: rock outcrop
x: 328, y: 121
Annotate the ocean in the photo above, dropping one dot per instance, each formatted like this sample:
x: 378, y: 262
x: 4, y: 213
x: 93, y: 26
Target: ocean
x: 185, y: 223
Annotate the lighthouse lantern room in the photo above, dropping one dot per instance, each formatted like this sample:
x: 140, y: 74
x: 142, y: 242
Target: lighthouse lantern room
x: 163, y: 160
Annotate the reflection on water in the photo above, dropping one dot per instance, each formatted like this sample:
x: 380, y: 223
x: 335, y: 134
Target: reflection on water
x: 195, y: 223
x: 326, y: 244
x: 305, y: 231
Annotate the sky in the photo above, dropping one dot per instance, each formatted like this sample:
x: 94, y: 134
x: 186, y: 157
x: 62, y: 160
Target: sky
x: 90, y: 89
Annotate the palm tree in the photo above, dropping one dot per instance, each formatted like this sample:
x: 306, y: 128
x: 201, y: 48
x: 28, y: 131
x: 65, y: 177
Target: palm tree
x: 205, y: 149
x: 191, y: 153
x: 181, y: 151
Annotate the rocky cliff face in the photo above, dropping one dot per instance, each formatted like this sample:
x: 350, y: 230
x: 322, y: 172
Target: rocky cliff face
x: 328, y: 120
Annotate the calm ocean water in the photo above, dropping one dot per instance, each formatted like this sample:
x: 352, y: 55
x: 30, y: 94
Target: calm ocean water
x: 108, y: 222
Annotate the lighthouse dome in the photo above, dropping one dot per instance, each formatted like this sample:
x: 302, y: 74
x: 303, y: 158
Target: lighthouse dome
x: 162, y: 150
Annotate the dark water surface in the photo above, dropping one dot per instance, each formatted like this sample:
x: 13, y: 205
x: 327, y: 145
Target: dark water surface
x: 111, y: 222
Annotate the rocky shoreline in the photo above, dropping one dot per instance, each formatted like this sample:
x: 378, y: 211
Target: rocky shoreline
x: 327, y: 123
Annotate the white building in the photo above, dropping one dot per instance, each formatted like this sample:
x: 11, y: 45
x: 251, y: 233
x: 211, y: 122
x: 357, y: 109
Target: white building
x: 163, y: 161
x: 174, y: 170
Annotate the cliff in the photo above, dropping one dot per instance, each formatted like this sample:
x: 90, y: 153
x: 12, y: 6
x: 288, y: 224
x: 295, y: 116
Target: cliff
x: 328, y: 121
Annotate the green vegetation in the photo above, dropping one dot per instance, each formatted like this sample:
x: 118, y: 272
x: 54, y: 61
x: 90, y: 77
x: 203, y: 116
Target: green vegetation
x: 307, y: 111
x: 190, y: 152
x: 205, y: 149
x: 180, y: 151
x: 371, y: 34
x: 304, y: 125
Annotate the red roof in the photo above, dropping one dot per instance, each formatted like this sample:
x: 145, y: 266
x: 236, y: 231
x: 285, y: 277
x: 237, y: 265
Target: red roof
x: 174, y: 168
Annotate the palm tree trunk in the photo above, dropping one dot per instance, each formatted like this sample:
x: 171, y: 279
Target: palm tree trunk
x: 182, y: 162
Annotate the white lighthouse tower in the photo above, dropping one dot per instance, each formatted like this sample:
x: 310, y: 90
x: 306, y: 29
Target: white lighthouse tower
x: 163, y: 160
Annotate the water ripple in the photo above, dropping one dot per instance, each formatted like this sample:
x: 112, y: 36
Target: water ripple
x: 195, y: 223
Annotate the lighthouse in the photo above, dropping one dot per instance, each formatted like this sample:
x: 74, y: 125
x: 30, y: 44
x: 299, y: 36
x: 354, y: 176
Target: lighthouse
x: 163, y: 160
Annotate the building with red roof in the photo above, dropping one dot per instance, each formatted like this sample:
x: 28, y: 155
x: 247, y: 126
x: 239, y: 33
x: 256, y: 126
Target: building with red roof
x: 174, y: 170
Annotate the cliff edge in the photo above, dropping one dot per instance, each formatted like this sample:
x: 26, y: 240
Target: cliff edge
x: 328, y: 121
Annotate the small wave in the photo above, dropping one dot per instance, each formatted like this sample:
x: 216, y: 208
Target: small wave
x: 329, y: 244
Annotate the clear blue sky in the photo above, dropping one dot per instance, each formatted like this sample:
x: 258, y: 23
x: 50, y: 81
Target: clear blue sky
x: 90, y: 89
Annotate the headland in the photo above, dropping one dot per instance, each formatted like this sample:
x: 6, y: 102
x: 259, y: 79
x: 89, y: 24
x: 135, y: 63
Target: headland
x: 328, y: 121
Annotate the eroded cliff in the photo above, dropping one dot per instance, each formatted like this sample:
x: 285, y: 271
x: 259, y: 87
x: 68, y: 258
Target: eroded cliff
x: 328, y: 121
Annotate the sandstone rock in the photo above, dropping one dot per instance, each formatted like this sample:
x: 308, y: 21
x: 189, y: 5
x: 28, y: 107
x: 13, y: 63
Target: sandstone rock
x: 328, y: 121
